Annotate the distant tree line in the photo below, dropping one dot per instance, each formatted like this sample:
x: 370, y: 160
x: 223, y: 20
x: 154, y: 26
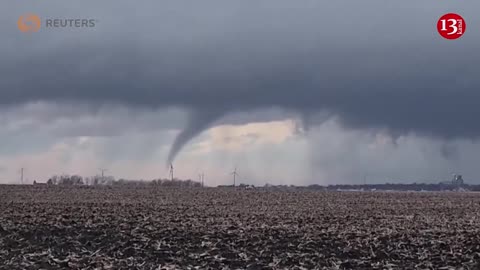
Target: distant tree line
x: 159, y: 182
x: 399, y: 187
x: 379, y: 187
x: 69, y: 180
x: 75, y: 180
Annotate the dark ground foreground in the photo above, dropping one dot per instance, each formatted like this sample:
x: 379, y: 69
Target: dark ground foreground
x: 127, y: 228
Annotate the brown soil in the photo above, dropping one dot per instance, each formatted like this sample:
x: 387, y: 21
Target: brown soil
x: 127, y: 228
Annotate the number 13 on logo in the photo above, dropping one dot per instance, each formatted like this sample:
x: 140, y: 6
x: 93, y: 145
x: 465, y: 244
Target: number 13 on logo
x: 451, y: 26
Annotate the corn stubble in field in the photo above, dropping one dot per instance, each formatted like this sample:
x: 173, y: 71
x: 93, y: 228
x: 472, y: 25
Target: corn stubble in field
x: 141, y: 228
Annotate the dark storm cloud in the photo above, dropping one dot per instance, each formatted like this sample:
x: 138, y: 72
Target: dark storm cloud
x: 371, y: 68
x: 450, y: 151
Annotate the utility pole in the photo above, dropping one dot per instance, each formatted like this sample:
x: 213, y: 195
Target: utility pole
x: 200, y: 177
x: 103, y: 174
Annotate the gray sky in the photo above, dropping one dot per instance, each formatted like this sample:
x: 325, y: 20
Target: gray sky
x: 324, y: 81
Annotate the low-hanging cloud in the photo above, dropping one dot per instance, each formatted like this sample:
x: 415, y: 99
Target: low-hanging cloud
x: 386, y: 78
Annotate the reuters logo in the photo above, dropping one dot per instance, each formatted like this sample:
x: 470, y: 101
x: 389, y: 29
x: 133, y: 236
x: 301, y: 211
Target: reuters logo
x: 28, y: 23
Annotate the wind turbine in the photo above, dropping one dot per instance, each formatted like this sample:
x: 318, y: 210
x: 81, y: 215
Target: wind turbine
x: 171, y: 171
x: 234, y: 173
x: 22, y: 170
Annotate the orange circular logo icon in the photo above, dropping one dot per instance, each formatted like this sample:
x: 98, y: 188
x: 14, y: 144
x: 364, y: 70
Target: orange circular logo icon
x: 28, y: 23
